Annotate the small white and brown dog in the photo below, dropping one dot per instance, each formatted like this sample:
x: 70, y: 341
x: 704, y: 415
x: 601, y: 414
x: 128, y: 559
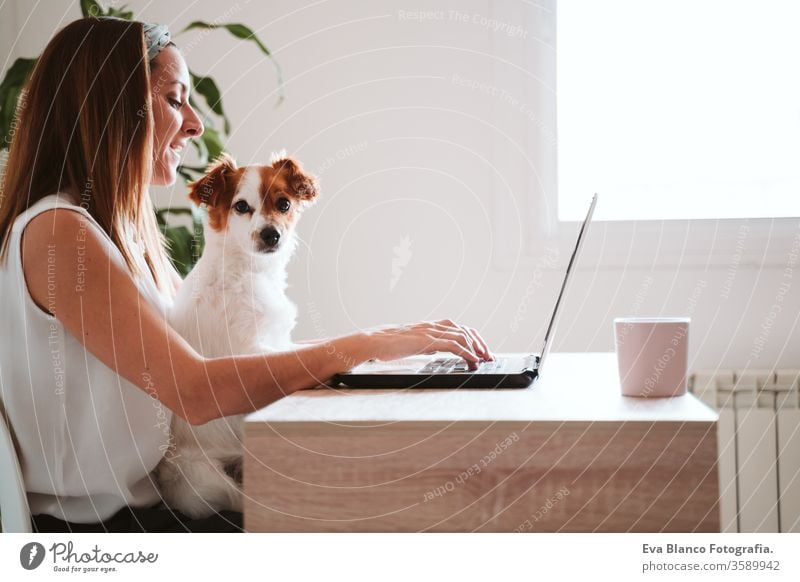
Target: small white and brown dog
x: 233, y: 303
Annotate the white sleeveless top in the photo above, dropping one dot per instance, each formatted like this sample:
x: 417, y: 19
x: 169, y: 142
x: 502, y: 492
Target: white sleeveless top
x: 86, y: 437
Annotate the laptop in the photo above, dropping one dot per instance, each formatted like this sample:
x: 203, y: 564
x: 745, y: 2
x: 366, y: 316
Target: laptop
x: 436, y: 371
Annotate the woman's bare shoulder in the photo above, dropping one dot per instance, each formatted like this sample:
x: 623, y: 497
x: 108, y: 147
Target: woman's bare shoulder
x: 64, y: 225
x: 57, y: 246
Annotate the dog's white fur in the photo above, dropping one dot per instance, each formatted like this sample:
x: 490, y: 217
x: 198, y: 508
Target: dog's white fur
x: 232, y: 303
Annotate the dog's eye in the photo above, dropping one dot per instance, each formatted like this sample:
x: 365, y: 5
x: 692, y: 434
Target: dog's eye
x: 242, y: 207
x: 283, y: 204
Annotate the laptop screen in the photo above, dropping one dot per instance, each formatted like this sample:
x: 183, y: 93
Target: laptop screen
x: 551, y: 328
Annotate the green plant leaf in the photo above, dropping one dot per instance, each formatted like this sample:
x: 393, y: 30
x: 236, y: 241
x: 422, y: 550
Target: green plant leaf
x: 243, y: 32
x: 202, y: 149
x: 209, y: 145
x: 237, y: 30
x: 18, y: 72
x: 207, y: 87
x: 120, y: 12
x: 184, y: 245
x: 213, y: 143
x: 93, y: 8
x: 190, y: 173
x: 10, y: 90
x: 162, y: 212
x: 179, y: 241
x: 9, y: 106
x: 195, y: 169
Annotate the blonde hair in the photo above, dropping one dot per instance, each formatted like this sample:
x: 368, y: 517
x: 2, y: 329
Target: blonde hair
x: 85, y: 126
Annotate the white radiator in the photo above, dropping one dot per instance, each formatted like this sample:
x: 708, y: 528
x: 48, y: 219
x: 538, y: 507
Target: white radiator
x: 758, y: 438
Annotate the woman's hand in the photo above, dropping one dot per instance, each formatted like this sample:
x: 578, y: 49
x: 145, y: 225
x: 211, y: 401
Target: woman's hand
x: 392, y: 342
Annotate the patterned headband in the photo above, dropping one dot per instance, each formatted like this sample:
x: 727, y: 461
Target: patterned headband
x: 156, y: 36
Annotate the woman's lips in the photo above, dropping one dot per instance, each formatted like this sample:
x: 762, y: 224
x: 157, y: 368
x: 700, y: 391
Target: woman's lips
x: 176, y: 150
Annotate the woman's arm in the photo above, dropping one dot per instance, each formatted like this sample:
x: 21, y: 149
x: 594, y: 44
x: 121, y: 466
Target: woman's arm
x: 107, y: 313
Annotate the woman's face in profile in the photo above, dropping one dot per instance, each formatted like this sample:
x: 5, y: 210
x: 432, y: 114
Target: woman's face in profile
x: 175, y: 121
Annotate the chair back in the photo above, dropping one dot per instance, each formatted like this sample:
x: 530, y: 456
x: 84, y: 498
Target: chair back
x: 15, y: 515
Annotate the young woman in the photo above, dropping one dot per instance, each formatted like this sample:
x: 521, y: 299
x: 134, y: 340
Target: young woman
x: 89, y: 368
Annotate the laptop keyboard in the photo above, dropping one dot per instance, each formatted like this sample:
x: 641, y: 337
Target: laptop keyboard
x: 446, y: 365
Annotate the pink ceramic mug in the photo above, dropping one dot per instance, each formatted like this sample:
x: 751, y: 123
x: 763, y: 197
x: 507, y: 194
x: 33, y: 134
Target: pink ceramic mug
x: 652, y: 355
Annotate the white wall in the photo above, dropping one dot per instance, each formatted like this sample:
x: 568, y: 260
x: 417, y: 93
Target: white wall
x: 406, y: 154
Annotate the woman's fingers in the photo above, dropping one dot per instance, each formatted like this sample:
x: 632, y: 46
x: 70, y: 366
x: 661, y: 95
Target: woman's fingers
x: 460, y: 338
x: 472, y: 335
x: 450, y: 326
x: 445, y: 332
x: 456, y: 348
x: 484, y: 349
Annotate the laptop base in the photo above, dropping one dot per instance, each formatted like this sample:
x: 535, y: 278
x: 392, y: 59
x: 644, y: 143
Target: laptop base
x: 520, y: 377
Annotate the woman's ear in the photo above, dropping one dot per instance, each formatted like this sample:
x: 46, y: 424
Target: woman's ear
x: 207, y: 190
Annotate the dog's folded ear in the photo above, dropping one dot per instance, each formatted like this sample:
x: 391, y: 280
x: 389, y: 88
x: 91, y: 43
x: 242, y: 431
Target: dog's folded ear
x: 207, y: 190
x: 303, y: 184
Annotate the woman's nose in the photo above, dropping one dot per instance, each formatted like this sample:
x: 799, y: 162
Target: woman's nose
x: 192, y: 125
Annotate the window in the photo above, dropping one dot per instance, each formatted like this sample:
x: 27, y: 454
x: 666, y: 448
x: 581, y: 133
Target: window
x: 678, y: 109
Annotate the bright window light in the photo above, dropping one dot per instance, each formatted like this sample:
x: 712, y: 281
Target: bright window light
x: 679, y: 109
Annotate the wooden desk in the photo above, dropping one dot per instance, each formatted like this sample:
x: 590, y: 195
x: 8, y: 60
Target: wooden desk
x: 568, y: 454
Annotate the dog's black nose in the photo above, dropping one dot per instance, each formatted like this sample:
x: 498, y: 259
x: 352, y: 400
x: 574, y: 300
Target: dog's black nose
x: 270, y: 236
